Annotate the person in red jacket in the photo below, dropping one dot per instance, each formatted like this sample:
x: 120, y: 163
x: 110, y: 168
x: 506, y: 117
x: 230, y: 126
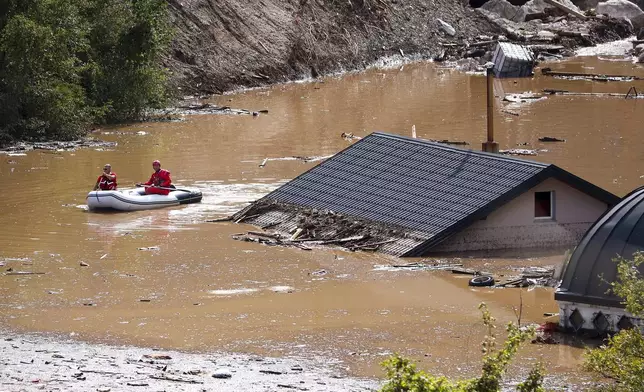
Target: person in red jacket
x: 107, y: 180
x: 159, y: 179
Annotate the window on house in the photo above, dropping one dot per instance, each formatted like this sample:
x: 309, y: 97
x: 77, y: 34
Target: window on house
x: 543, y: 205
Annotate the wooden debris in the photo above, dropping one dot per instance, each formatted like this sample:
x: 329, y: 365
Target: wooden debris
x: 176, y: 379
x: 225, y: 219
x: 550, y: 72
x: 268, y: 226
x: 464, y: 271
x: 267, y: 235
x: 157, y: 356
x: 297, y: 233
x: 138, y: 384
x: 276, y: 372
x: 550, y: 139
x: 23, y: 273
x: 244, y: 217
x: 372, y: 244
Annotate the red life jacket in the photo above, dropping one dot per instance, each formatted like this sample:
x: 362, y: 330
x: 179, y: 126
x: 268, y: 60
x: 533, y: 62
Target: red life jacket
x: 106, y: 185
x: 160, y: 178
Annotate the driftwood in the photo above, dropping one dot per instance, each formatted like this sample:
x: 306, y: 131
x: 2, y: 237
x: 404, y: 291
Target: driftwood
x: 341, y: 240
x: 570, y: 93
x: 550, y: 72
x: 566, y: 9
x: 372, y: 244
x: 176, y: 379
x: 267, y: 235
x: 244, y: 217
x: 226, y: 219
x: 23, y: 273
x: 464, y: 271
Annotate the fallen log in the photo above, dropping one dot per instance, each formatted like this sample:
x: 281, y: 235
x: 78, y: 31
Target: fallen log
x: 176, y: 379
x: 550, y: 72
x: 23, y: 273
x: 267, y: 235
x: 226, y: 219
x: 482, y: 43
x: 569, y: 93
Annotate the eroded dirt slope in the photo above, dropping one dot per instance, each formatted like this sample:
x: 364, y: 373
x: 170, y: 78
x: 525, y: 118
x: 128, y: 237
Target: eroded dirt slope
x: 224, y: 44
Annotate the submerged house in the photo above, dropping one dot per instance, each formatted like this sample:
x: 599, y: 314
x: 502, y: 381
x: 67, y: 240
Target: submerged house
x: 583, y: 297
x: 442, y: 198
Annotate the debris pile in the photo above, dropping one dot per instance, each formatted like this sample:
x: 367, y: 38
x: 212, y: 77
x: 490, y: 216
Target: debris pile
x: 532, y: 276
x: 304, y: 228
x: 58, y: 146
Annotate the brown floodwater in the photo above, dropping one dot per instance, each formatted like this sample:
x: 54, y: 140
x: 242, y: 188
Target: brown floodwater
x: 204, y: 291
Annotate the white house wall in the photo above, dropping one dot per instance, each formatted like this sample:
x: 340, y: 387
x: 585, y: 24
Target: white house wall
x: 513, y: 226
x: 589, y: 312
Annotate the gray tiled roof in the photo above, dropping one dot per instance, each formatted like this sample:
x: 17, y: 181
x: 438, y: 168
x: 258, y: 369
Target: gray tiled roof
x: 427, y: 187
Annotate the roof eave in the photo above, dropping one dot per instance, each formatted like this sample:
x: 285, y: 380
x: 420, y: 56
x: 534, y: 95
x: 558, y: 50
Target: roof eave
x: 422, y: 249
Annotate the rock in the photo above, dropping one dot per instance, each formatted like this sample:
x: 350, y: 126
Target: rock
x: 504, y: 9
x: 638, y: 25
x: 222, y: 373
x: 447, y: 28
x: 619, y: 9
x: 640, y: 59
x: 639, y: 49
x: 540, y: 6
x: 640, y: 34
x: 545, y: 35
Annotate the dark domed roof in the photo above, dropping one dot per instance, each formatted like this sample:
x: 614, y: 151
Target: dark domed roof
x: 619, y: 232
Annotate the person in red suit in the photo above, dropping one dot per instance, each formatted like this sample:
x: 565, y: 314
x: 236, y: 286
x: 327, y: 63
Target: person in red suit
x: 159, y: 179
x: 107, y: 180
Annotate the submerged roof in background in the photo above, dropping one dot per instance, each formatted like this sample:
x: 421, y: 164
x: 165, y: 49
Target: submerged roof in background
x: 432, y: 189
x: 619, y: 232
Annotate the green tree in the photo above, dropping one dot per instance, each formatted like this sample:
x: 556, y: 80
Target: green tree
x: 65, y: 64
x: 402, y: 375
x: 622, y: 357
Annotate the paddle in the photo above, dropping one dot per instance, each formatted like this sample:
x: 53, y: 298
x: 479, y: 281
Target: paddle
x: 170, y: 189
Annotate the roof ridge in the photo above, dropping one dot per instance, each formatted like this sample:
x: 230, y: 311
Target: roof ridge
x: 461, y: 150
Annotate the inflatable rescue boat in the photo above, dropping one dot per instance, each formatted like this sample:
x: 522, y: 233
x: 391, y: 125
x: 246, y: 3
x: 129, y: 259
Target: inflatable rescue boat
x: 136, y: 199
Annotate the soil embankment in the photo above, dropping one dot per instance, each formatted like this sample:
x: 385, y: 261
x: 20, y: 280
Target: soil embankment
x: 221, y: 45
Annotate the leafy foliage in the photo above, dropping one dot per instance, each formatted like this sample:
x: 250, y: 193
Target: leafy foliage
x: 402, y: 375
x: 622, y: 357
x: 65, y: 64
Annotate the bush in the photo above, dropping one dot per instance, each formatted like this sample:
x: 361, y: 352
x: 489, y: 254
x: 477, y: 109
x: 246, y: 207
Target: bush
x: 402, y: 375
x: 65, y: 64
x: 622, y: 357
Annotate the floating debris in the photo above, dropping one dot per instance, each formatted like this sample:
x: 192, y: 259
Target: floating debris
x: 295, y: 158
x: 550, y: 139
x: 350, y: 136
x: 519, y: 151
x: 21, y: 148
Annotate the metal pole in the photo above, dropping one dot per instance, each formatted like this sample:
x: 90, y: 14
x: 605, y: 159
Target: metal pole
x: 490, y: 145
x: 490, y: 105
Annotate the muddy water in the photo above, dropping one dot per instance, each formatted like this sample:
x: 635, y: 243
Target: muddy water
x: 196, y: 289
